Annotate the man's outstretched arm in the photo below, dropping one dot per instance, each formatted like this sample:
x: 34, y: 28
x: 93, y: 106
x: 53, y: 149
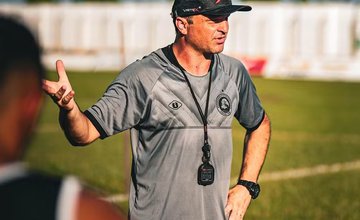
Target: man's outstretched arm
x: 255, y: 148
x: 77, y: 127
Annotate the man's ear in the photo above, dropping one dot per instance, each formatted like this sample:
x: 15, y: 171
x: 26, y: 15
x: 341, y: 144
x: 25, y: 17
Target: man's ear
x: 31, y: 97
x: 32, y: 103
x: 181, y: 25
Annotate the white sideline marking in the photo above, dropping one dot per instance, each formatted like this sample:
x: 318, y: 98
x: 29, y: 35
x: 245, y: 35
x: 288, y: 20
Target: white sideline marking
x: 281, y: 175
x: 310, y: 171
x: 117, y: 198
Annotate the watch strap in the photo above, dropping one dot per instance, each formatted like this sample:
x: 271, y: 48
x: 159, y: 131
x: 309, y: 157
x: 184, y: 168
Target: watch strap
x: 252, y: 187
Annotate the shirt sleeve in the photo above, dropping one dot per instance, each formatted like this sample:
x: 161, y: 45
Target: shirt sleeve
x: 121, y: 106
x: 250, y: 112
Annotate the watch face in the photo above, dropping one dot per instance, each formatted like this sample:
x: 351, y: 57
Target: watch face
x: 255, y: 191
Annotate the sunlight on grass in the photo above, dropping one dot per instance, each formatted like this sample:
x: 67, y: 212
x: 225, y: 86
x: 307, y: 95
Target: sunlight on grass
x: 312, y: 123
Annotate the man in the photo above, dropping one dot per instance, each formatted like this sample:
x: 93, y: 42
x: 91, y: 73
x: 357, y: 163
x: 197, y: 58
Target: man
x: 25, y: 194
x: 179, y: 103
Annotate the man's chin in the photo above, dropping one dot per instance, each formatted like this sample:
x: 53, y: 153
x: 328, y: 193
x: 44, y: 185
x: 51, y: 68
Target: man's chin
x: 215, y: 49
x: 218, y: 50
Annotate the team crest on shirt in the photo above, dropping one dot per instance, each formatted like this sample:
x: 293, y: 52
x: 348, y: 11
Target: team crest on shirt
x: 223, y: 104
x: 175, y: 105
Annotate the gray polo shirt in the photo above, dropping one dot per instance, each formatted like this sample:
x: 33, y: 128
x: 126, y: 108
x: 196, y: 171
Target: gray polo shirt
x: 151, y: 98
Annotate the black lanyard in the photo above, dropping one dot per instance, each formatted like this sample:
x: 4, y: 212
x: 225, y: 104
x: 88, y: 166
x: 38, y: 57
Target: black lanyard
x: 206, y: 147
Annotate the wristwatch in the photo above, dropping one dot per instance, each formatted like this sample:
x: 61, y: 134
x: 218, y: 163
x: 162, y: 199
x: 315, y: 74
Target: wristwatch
x: 254, y: 188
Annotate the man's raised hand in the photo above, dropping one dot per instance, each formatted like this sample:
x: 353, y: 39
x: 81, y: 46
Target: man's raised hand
x: 61, y: 91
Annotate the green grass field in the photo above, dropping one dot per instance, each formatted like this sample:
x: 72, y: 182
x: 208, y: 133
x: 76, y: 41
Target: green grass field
x: 313, y: 123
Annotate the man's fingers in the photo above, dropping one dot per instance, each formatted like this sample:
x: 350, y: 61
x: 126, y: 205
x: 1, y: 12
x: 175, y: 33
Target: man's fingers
x: 68, y: 97
x: 236, y: 216
x: 60, y: 68
x: 59, y: 94
x: 46, y: 86
x: 233, y: 214
x: 228, y: 209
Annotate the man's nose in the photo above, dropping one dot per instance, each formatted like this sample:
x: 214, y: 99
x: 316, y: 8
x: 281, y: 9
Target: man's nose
x: 223, y: 26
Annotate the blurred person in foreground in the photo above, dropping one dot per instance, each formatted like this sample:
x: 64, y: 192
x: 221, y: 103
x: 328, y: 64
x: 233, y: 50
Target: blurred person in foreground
x: 179, y: 102
x: 25, y: 194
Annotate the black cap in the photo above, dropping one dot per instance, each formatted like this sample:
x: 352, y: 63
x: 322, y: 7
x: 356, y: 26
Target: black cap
x: 184, y: 8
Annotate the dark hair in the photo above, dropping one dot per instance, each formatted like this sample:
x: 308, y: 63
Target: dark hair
x: 18, y: 48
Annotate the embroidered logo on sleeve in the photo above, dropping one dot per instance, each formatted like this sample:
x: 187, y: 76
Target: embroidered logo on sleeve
x: 223, y: 104
x: 175, y: 105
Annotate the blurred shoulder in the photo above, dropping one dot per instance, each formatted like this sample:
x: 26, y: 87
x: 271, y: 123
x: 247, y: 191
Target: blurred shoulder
x: 92, y: 207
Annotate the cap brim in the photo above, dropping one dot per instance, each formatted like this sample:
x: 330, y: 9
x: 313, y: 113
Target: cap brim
x: 226, y: 10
